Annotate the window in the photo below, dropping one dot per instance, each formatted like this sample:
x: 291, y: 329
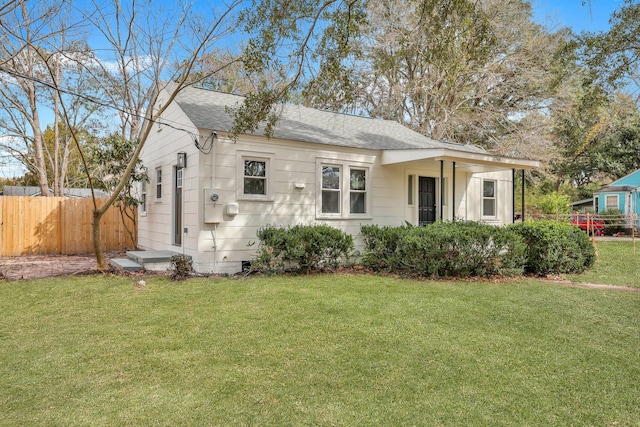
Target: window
x: 357, y: 195
x: 488, y: 198
x: 158, y: 183
x: 611, y: 201
x: 331, y: 189
x: 342, y: 190
x: 143, y: 198
x: 179, y: 177
x: 410, y: 190
x: 255, y: 177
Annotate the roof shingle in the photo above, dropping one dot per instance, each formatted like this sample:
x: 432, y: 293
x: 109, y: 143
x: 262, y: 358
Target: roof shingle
x: 206, y: 109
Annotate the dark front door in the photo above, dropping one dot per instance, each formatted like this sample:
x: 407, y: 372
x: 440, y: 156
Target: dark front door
x: 426, y: 200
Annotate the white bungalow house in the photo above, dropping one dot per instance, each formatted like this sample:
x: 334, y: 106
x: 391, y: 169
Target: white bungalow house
x: 209, y: 195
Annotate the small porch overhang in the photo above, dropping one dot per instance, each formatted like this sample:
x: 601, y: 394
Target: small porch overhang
x: 465, y: 161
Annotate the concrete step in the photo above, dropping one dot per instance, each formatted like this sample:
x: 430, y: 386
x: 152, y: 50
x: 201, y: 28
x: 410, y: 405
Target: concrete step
x: 126, y: 264
x: 153, y: 260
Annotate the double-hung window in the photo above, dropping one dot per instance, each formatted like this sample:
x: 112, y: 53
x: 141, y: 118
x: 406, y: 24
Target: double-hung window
x: 331, y: 194
x: 343, y: 190
x: 489, y: 197
x: 159, y: 183
x: 255, y: 177
x: 357, y: 191
x: 611, y: 201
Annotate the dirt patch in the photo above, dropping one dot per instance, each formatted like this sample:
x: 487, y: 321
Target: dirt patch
x: 40, y: 266
x: 569, y: 283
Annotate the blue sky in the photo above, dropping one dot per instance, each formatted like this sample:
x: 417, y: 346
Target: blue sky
x: 593, y: 16
x: 555, y: 14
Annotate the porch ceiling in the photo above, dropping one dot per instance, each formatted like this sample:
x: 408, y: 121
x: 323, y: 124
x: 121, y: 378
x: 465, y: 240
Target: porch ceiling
x: 465, y: 161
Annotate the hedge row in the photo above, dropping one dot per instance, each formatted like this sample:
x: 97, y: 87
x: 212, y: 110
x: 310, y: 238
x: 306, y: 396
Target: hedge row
x: 443, y: 249
x: 302, y: 248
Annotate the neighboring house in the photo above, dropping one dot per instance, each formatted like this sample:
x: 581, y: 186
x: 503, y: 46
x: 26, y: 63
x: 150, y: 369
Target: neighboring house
x: 582, y: 205
x: 208, y: 195
x: 622, y: 194
x: 18, y: 190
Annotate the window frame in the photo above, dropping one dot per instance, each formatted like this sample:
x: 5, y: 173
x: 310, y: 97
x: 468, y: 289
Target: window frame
x: 332, y: 190
x: 494, y: 198
x: 159, y: 183
x: 345, y: 189
x: 411, y: 189
x: 353, y: 191
x: 606, y: 201
x: 143, y: 199
x: 269, y: 160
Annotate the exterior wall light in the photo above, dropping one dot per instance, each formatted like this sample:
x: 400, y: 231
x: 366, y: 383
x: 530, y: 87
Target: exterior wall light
x: 182, y: 160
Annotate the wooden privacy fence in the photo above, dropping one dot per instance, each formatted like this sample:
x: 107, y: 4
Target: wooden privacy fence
x: 59, y: 225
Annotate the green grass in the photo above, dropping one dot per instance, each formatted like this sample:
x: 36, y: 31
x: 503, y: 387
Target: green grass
x: 616, y: 265
x: 318, y: 350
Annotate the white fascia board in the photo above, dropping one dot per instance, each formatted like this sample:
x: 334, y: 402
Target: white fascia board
x: 481, y: 159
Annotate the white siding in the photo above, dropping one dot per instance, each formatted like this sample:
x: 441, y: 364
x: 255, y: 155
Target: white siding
x: 155, y: 228
x: 504, y: 198
x: 294, y: 183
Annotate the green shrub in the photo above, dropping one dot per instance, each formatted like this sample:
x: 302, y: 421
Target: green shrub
x: 302, y: 248
x: 555, y: 248
x: 445, y: 249
x: 555, y: 204
x: 381, y: 245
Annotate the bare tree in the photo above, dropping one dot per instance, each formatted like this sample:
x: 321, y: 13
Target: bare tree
x: 149, y: 47
x: 35, y: 43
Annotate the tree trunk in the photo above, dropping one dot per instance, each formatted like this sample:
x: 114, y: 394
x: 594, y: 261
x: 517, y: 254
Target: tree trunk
x: 101, y: 262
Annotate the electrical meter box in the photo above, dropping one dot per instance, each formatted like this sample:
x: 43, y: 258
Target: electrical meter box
x: 213, y: 210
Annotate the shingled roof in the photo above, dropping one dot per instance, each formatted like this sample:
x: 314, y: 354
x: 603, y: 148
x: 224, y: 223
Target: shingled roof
x: 206, y: 109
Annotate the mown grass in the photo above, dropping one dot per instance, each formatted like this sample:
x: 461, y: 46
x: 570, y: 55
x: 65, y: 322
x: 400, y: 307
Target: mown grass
x: 317, y: 350
x: 616, y: 264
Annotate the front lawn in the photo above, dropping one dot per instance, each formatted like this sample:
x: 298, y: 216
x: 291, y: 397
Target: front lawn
x: 316, y: 350
x: 616, y: 264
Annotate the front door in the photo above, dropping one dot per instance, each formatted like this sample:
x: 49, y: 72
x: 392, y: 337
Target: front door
x: 177, y: 207
x: 426, y: 200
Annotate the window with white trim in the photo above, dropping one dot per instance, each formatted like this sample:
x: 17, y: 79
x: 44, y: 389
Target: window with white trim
x: 143, y: 198
x: 410, y: 180
x: 343, y: 190
x: 179, y: 174
x: 331, y: 189
x: 611, y: 201
x: 158, y: 183
x: 489, y: 197
x: 357, y: 191
x: 255, y: 177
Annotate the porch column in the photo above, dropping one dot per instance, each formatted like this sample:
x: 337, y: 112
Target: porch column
x: 513, y: 195
x: 453, y: 188
x: 441, y: 188
x: 522, y: 195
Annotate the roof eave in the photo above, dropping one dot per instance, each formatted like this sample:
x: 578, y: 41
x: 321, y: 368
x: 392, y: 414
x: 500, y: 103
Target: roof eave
x: 486, y: 160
